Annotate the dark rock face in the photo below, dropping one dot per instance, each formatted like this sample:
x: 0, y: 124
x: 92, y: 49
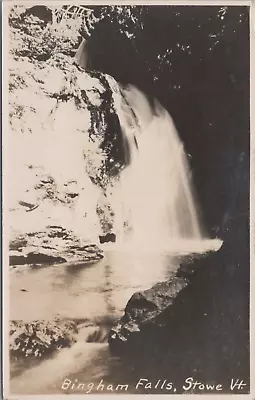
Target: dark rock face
x: 144, y: 311
x: 34, y: 258
x: 151, y: 309
x: 109, y: 237
x: 212, y: 58
x: 42, y: 12
x: 197, y: 327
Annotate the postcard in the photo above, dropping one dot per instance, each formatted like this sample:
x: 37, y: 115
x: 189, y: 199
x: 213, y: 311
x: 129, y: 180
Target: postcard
x: 127, y: 199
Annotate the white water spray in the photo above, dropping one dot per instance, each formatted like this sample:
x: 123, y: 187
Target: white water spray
x: 154, y: 194
x: 153, y: 200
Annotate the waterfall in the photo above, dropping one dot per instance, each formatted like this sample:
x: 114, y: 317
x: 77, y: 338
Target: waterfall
x: 153, y: 196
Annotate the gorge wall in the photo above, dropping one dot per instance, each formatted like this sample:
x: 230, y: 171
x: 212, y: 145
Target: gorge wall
x: 200, y: 73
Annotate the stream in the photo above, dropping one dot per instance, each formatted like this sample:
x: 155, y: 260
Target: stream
x: 96, y: 294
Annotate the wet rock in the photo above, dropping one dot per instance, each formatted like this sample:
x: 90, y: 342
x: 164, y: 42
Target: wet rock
x: 145, y: 312
x: 53, y: 245
x: 18, y: 243
x: 40, y: 338
x: 206, y: 320
x: 153, y: 312
x: 190, y: 264
x: 109, y: 237
x: 34, y: 258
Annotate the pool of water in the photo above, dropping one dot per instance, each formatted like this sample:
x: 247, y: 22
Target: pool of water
x: 96, y: 293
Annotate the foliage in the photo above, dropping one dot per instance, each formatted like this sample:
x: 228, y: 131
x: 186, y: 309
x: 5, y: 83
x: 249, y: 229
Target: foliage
x: 34, y: 38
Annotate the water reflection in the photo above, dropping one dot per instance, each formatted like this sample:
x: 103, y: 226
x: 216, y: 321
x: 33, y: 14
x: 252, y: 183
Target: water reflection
x: 85, y: 291
x: 95, y: 293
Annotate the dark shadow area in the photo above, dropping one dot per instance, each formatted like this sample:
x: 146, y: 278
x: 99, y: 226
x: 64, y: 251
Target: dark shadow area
x: 204, y: 84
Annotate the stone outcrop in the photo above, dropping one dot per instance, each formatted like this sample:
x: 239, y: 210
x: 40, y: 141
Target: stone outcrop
x: 39, y: 338
x: 177, y: 327
x: 53, y: 245
x: 149, y: 312
x: 145, y: 311
x: 64, y: 134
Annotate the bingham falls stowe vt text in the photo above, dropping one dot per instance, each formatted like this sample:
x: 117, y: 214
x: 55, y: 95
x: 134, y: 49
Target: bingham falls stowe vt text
x: 128, y: 199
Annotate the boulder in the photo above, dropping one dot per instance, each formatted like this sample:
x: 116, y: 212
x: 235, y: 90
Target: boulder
x: 39, y: 338
x: 150, y: 312
x: 145, y: 312
x: 192, y: 325
x: 109, y: 237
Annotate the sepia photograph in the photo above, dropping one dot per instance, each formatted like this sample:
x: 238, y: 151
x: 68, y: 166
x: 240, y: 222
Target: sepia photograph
x: 126, y: 199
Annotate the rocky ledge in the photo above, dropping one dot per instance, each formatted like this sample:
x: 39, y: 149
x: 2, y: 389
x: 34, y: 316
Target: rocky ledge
x: 54, y: 244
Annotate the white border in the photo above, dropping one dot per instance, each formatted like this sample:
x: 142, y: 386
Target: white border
x: 6, y: 4
x: 134, y: 2
x: 5, y: 256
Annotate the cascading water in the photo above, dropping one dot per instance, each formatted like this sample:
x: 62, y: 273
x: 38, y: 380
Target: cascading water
x: 154, y: 194
x: 152, y: 199
x: 155, y: 217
